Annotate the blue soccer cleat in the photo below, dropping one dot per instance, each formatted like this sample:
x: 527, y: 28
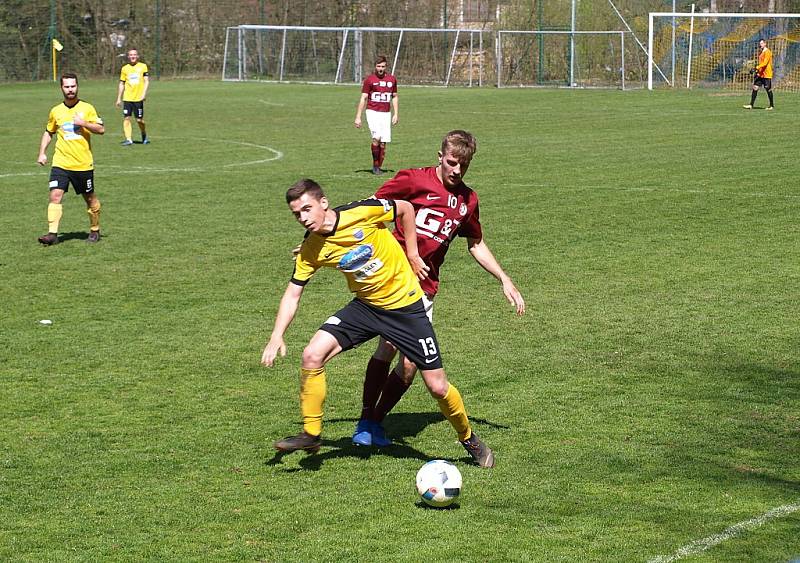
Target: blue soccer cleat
x: 363, y: 435
x: 379, y: 436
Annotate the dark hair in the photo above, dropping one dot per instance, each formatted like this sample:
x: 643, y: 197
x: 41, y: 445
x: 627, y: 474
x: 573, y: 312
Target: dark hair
x: 461, y: 144
x: 304, y: 186
x: 380, y: 59
x: 69, y: 75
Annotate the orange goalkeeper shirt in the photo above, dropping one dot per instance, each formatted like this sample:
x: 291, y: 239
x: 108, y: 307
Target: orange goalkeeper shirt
x: 765, y: 63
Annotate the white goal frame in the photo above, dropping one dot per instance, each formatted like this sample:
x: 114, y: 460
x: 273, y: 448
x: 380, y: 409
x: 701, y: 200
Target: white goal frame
x: 693, y: 16
x: 351, y: 45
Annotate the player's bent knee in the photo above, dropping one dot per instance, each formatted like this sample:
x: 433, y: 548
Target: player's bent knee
x: 437, y: 383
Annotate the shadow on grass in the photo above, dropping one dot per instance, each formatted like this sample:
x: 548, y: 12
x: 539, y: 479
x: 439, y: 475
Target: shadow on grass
x: 399, y: 427
x: 78, y: 235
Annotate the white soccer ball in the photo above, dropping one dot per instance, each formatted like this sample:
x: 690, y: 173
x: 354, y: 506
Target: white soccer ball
x: 439, y: 483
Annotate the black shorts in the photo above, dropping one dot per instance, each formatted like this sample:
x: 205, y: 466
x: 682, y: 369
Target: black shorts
x: 761, y: 81
x: 81, y: 180
x: 135, y: 109
x: 408, y: 328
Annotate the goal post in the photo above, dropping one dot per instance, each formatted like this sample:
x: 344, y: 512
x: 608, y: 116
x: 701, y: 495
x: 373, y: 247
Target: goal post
x: 346, y: 55
x: 718, y: 49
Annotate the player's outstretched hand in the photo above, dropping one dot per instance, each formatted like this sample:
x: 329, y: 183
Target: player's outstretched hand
x: 42, y: 160
x: 357, y: 123
x: 272, y: 350
x: 514, y: 297
x: 419, y: 267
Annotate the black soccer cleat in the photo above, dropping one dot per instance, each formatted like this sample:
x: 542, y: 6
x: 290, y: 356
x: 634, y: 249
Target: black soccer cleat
x: 303, y: 441
x: 49, y: 239
x: 481, y: 453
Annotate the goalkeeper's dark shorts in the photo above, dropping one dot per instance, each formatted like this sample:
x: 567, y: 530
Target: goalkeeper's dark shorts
x: 761, y: 81
x: 408, y: 328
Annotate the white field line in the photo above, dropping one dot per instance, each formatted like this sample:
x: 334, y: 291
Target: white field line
x: 265, y: 102
x: 699, y: 546
x: 276, y: 155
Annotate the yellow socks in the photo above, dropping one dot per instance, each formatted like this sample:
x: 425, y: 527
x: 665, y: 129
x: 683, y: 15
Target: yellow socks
x: 127, y: 129
x: 312, y: 396
x: 452, y: 407
x: 94, y: 215
x: 54, y: 212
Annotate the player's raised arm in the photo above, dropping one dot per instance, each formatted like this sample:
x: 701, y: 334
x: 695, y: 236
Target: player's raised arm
x: 286, y: 312
x: 483, y: 255
x: 406, y: 217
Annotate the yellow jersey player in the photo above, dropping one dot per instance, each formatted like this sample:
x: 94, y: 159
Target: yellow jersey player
x: 134, y: 80
x: 354, y: 239
x: 74, y: 121
x: 763, y: 75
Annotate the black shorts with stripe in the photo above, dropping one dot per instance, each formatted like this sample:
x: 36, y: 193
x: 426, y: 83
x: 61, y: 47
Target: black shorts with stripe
x: 82, y: 180
x: 408, y: 328
x: 135, y: 109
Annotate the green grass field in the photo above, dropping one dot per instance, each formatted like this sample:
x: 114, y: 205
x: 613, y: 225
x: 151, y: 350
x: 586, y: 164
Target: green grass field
x: 647, y: 407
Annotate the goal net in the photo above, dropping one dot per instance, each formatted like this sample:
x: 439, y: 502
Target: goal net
x: 719, y: 50
x: 583, y: 59
x: 347, y: 55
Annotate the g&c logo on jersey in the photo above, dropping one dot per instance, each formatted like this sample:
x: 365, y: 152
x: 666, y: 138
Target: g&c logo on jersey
x: 358, y: 234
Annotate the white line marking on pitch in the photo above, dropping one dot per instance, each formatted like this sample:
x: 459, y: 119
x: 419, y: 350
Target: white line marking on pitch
x: 271, y: 103
x: 276, y: 155
x: 699, y: 546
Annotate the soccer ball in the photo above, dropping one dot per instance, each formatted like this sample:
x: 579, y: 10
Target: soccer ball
x: 439, y: 483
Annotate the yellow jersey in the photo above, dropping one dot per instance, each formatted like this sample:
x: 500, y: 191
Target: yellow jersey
x: 73, y: 144
x: 765, y: 63
x: 133, y: 77
x: 366, y: 252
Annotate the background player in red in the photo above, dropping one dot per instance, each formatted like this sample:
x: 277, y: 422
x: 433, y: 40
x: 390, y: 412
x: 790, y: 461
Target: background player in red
x: 379, y: 97
x: 444, y: 208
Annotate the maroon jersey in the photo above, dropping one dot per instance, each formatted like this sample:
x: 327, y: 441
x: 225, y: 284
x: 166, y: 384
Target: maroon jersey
x: 379, y: 91
x: 441, y: 214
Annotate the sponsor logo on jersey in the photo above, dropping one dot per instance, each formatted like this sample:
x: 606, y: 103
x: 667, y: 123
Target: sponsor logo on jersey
x: 358, y: 234
x: 356, y: 259
x: 431, y: 196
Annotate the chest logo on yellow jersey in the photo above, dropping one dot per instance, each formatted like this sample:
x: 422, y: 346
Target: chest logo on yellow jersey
x: 358, y: 234
x: 356, y: 259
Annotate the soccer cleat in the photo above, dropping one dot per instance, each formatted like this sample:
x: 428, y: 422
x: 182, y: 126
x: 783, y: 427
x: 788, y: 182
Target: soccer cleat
x: 363, y: 434
x: 379, y: 436
x: 770, y: 108
x: 748, y: 106
x: 126, y: 143
x: 49, y: 239
x: 145, y: 141
x: 94, y: 236
x: 479, y: 451
x: 377, y: 170
x: 303, y: 441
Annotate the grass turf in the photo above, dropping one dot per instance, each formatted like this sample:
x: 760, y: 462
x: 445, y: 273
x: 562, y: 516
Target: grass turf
x: 650, y: 398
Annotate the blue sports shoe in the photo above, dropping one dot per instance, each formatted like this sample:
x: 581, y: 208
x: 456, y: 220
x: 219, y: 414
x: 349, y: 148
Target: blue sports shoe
x: 379, y: 436
x: 363, y: 435
x: 126, y: 143
x: 145, y: 141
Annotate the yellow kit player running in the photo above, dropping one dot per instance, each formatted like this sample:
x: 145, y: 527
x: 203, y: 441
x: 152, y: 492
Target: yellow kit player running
x: 134, y: 80
x: 74, y: 121
x: 354, y: 239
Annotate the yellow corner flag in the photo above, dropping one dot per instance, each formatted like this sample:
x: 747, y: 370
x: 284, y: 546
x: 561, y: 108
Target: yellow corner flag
x: 57, y: 45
